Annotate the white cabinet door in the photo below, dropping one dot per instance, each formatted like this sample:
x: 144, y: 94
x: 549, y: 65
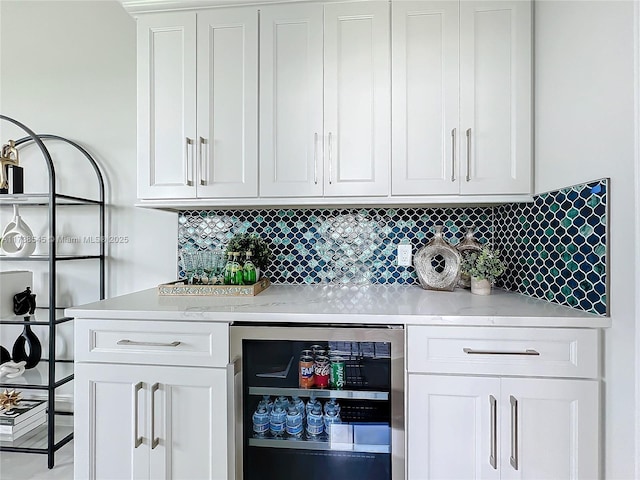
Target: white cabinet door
x: 109, y: 443
x: 356, y: 98
x: 549, y: 429
x: 166, y: 105
x: 227, y: 163
x: 495, y: 97
x: 148, y: 422
x: 189, y: 423
x: 291, y: 139
x: 451, y: 427
x: 425, y: 98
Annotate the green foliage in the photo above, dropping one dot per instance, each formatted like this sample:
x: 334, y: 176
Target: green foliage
x: 483, y: 264
x: 260, y: 251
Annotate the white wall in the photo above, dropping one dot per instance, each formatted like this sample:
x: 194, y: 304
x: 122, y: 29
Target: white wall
x: 584, y: 127
x: 69, y: 68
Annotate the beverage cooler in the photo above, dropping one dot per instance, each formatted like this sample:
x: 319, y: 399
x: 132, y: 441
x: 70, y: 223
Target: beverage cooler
x: 317, y: 402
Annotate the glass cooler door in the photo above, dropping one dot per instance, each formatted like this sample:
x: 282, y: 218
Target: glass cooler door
x: 341, y: 430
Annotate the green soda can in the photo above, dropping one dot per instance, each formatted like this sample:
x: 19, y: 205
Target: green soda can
x: 337, y: 376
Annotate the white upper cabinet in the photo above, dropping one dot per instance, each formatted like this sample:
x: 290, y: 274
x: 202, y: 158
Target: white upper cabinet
x: 291, y: 92
x: 197, y: 137
x: 495, y: 96
x: 227, y: 161
x: 357, y: 98
x: 324, y: 100
x: 166, y: 104
x: 461, y: 97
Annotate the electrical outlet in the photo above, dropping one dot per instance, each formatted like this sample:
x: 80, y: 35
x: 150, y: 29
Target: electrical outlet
x: 404, y: 253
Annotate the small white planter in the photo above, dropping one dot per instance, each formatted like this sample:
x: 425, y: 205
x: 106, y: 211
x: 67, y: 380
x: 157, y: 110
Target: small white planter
x: 480, y: 286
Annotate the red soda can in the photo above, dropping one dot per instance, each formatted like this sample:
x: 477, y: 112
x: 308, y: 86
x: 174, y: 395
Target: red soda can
x: 306, y: 372
x: 322, y: 369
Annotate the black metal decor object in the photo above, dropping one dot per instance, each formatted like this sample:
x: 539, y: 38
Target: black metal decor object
x: 5, y: 356
x: 27, y: 340
x: 24, y: 302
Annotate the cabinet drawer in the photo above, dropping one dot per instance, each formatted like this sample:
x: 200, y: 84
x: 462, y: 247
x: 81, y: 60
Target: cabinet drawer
x: 148, y: 342
x: 546, y: 352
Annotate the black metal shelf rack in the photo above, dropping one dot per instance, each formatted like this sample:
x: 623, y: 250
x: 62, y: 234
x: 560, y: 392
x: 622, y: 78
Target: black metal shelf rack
x: 51, y: 374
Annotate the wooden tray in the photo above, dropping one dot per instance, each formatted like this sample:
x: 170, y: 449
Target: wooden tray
x: 179, y: 287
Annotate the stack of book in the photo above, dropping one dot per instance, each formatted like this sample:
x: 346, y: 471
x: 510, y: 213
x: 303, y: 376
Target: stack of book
x: 21, y: 419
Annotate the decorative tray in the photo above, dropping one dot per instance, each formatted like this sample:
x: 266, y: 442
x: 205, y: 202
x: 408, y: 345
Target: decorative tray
x: 180, y: 287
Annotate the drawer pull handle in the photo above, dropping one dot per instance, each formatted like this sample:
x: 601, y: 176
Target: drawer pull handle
x: 147, y: 344
x: 471, y: 351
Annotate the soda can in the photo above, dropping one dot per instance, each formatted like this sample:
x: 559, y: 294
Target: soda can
x: 322, y: 369
x: 315, y: 349
x: 306, y: 353
x: 306, y: 372
x: 338, y: 373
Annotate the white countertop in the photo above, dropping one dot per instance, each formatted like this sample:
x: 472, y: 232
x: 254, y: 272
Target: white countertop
x: 373, y: 304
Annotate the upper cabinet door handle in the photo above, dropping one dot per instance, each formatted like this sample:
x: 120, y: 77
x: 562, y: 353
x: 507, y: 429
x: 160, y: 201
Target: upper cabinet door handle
x: 203, y: 180
x: 315, y: 158
x: 453, y: 155
x: 468, y: 154
x: 330, y: 161
x: 189, y: 160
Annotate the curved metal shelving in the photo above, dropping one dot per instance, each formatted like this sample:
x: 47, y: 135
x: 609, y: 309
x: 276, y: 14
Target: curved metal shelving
x: 53, y: 438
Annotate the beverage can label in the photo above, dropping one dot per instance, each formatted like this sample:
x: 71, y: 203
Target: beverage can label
x: 322, y: 370
x: 338, y: 373
x: 306, y: 372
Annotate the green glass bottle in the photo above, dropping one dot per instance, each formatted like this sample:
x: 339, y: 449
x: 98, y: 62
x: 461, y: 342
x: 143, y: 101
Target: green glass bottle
x: 249, y: 270
x: 237, y: 275
x: 228, y: 269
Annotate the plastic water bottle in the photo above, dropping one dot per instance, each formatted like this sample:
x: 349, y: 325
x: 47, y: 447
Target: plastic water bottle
x: 334, y: 402
x: 315, y: 422
x: 294, y: 422
x: 277, y: 421
x: 330, y: 417
x: 299, y: 404
x: 281, y: 401
x: 313, y: 401
x: 261, y: 420
x: 268, y: 403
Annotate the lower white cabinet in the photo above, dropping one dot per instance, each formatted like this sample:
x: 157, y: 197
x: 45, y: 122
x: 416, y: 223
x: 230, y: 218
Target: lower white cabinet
x: 478, y: 408
x: 508, y: 428
x: 150, y: 422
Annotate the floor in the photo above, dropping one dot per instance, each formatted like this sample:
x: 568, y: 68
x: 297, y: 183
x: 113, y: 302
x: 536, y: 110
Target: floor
x: 28, y: 466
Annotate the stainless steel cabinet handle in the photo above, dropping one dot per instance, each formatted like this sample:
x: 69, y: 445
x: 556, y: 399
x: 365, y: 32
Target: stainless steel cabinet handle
x: 453, y: 155
x: 202, y: 166
x: 234, y: 438
x: 471, y: 351
x: 494, y: 441
x: 154, y: 440
x: 315, y: 158
x: 137, y: 441
x: 513, y: 459
x: 189, y: 143
x: 330, y: 162
x: 124, y: 341
x: 468, y: 154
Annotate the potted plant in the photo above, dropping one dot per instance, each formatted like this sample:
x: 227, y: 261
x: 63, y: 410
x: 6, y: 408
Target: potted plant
x: 250, y: 242
x: 483, y: 267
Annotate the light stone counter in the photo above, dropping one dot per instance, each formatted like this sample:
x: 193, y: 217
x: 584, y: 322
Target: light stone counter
x: 373, y: 304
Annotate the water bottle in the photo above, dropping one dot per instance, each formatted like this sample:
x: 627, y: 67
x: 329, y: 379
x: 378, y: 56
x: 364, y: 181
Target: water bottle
x: 311, y: 403
x: 268, y: 403
x: 315, y: 422
x: 294, y: 422
x: 282, y: 402
x: 332, y: 402
x: 260, y: 420
x: 330, y: 417
x: 277, y: 421
x: 299, y: 404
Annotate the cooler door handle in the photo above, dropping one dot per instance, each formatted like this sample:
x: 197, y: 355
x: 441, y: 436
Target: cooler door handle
x: 234, y: 372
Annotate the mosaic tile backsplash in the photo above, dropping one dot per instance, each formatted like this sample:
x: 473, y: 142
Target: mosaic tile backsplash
x: 554, y: 248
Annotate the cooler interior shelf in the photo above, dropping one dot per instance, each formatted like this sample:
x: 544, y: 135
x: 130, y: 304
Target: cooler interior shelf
x: 326, y: 445
x: 320, y: 393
